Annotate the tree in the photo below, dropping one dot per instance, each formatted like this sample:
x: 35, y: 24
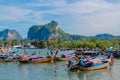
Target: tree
x: 104, y: 44
x: 14, y: 42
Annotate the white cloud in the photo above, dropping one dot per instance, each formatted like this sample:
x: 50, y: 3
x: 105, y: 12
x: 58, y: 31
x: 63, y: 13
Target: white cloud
x: 95, y: 17
x: 12, y: 13
x: 82, y: 16
x: 62, y: 6
x: 16, y: 14
x: 88, y: 16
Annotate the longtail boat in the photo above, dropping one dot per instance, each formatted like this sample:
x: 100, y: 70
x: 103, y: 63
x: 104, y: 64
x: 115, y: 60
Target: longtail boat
x: 10, y: 60
x: 65, y: 59
x: 83, y: 67
x: 39, y: 60
x: 3, y: 59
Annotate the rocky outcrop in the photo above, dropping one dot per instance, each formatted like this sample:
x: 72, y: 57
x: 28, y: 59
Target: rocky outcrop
x: 8, y: 34
x: 44, y: 32
x: 52, y: 31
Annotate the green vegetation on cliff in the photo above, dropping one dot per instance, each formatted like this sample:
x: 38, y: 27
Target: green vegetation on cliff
x: 51, y: 31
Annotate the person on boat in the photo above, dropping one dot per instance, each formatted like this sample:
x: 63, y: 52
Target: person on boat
x: 112, y: 57
x: 25, y: 51
x: 76, y: 56
x: 82, y: 55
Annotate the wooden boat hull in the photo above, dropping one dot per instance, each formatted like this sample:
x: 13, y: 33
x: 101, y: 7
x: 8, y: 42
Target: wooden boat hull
x: 65, y: 59
x: 8, y: 60
x: 38, y: 61
x: 105, y: 65
x: 77, y: 67
x: 12, y: 60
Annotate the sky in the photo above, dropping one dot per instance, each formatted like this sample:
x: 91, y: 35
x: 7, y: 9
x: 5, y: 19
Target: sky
x: 80, y: 17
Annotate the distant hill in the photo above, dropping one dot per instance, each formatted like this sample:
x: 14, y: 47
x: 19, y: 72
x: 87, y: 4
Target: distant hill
x: 52, y: 31
x: 105, y: 36
x: 8, y: 34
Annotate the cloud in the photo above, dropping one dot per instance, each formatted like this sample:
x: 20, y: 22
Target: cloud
x: 92, y: 17
x: 12, y: 13
x: 17, y: 14
x: 78, y: 7
x: 85, y: 17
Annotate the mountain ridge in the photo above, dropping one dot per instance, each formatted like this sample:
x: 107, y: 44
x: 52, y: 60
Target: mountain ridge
x: 10, y: 34
x: 51, y: 31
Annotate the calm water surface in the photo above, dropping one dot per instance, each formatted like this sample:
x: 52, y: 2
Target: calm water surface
x: 54, y: 71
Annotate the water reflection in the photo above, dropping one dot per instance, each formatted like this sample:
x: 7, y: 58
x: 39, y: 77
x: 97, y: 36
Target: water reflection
x: 103, y: 74
x: 21, y: 68
x: 54, y: 71
x: 58, y: 71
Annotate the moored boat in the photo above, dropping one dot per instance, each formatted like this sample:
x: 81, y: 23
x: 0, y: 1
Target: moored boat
x: 89, y: 64
x: 87, y: 68
x: 39, y: 60
x: 65, y: 59
x: 9, y: 60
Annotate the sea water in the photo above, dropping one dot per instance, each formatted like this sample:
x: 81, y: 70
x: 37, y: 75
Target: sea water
x: 54, y: 71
